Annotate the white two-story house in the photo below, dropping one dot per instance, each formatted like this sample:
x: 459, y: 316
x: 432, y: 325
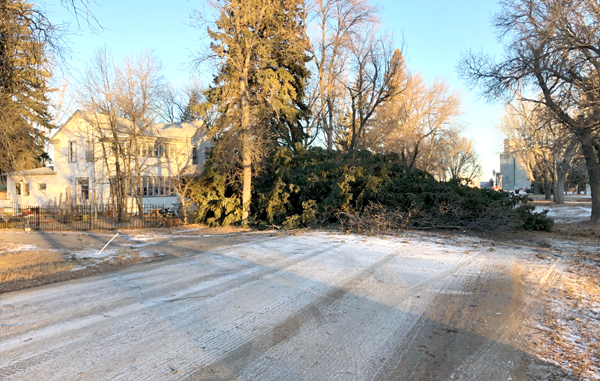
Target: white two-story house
x: 152, y: 159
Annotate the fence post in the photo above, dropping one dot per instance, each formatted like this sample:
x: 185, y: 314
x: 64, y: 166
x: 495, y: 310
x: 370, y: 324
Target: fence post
x: 93, y: 205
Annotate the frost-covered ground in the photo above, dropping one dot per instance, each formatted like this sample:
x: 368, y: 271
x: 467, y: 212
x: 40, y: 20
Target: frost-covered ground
x: 576, y: 208
x: 566, y: 213
x: 85, y: 250
x: 273, y: 306
x: 569, y: 325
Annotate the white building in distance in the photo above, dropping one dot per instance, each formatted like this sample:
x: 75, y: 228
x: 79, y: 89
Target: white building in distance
x: 513, y: 174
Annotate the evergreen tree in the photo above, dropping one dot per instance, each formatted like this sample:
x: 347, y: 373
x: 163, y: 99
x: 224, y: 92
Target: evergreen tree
x: 260, y: 82
x: 25, y: 35
x: 192, y: 111
x: 290, y: 56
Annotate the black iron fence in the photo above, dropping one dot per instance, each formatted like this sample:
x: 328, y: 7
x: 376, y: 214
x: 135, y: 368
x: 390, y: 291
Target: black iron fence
x: 85, y: 217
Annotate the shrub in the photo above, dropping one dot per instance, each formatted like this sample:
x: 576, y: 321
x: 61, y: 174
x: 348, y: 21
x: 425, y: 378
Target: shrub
x: 216, y: 196
x: 534, y: 220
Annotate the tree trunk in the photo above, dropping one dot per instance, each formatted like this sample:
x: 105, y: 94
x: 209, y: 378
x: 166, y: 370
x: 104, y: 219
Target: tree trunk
x: 247, y: 185
x: 595, y: 192
x: 137, y: 189
x: 246, y: 147
x: 329, y: 129
x: 591, y: 160
x: 184, y: 211
x: 559, y: 189
x: 120, y: 195
x: 548, y: 190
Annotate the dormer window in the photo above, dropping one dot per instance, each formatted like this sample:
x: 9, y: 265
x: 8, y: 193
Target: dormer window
x: 72, y: 153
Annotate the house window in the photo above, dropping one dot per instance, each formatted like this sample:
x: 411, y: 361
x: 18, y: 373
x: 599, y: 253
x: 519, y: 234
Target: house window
x: 42, y: 186
x: 152, y: 186
x: 194, y: 155
x: 89, y: 152
x: 156, y: 186
x: 72, y: 152
x: 83, y: 185
x: 155, y: 149
x: 21, y: 188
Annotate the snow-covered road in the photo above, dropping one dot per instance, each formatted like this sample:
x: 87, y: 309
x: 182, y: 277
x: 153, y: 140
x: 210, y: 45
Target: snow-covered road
x: 315, y: 306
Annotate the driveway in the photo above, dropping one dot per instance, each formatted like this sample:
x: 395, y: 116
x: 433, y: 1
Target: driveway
x: 313, y: 306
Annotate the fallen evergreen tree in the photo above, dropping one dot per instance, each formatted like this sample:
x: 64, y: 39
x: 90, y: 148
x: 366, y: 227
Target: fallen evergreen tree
x: 360, y: 191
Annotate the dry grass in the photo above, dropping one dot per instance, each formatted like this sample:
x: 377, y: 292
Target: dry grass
x: 31, y: 268
x: 27, y: 265
x: 12, y: 261
x: 191, y: 229
x: 577, y: 229
x: 23, y: 267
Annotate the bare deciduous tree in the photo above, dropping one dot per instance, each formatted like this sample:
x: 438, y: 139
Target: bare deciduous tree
x: 554, y: 47
x: 416, y: 122
x: 457, y: 160
x: 377, y: 74
x: 139, y: 84
x: 331, y: 26
x: 121, y: 108
x: 546, y: 148
x: 171, y: 104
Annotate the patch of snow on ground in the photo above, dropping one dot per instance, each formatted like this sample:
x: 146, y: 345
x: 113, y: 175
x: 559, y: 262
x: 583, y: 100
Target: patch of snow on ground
x: 94, y: 253
x: 22, y: 248
x: 565, y: 212
x: 572, y: 322
x: 144, y: 237
x: 150, y: 254
x: 188, y: 230
x: 145, y: 244
x: 162, y: 237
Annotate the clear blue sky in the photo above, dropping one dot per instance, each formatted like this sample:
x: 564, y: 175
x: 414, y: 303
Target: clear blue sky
x: 435, y: 32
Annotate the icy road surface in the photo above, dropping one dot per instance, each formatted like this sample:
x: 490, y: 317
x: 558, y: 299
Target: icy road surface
x: 315, y: 306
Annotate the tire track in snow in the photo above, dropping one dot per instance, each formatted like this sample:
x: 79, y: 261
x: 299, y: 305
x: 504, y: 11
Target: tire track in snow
x: 230, y: 365
x: 73, y: 299
x: 233, y: 337
x: 133, y: 310
x: 438, y: 324
x: 482, y: 363
x: 350, y: 335
x: 248, y: 341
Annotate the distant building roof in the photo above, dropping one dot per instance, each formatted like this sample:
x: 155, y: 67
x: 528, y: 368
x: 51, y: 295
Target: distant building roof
x: 164, y: 130
x: 175, y: 130
x: 43, y: 171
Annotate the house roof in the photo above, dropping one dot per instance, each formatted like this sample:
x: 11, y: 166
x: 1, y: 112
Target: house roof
x: 175, y: 130
x: 43, y: 171
x: 165, y: 130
